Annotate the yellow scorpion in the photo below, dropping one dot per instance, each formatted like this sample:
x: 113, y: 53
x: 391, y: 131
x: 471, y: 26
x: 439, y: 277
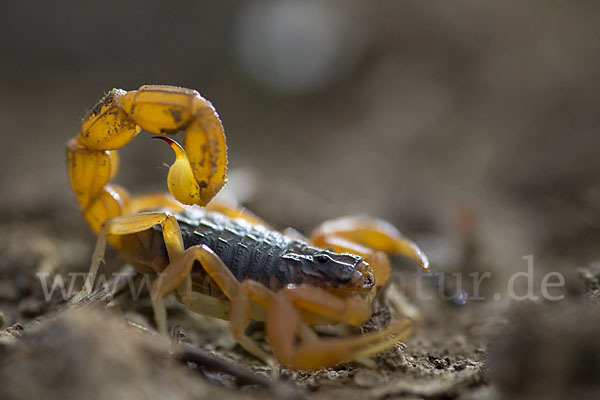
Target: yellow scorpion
x: 220, y: 259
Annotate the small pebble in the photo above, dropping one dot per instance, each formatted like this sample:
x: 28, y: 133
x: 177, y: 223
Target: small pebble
x: 15, y: 329
x: 440, y: 363
x: 459, y: 365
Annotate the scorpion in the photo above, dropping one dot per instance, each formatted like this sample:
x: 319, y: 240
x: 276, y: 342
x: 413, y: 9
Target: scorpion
x: 220, y: 259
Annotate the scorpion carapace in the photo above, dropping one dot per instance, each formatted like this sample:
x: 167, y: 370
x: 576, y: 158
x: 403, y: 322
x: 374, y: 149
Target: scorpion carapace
x: 271, y: 258
x: 222, y: 260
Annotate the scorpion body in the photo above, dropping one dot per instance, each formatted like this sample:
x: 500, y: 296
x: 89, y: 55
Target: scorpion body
x: 221, y: 260
x: 250, y: 252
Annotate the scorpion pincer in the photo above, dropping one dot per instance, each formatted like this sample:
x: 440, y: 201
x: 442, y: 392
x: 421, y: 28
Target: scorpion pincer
x: 220, y: 259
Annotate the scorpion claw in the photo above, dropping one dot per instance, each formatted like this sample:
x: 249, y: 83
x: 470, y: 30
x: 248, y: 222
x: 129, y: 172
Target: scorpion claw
x: 181, y: 182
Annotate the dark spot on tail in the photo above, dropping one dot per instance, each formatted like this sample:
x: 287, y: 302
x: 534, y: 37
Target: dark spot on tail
x: 176, y: 114
x: 107, y: 99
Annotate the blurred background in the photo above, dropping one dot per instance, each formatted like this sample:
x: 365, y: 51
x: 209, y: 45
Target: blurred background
x: 467, y: 124
x: 415, y: 112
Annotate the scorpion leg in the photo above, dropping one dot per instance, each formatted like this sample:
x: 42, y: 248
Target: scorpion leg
x: 241, y: 310
x: 125, y: 225
x: 233, y: 210
x: 202, y: 303
x: 130, y: 224
x: 154, y: 201
x: 248, y: 293
x: 294, y: 234
x: 370, y: 232
x: 287, y: 310
x: 317, y: 301
x: 176, y: 273
x: 284, y: 322
x: 180, y: 268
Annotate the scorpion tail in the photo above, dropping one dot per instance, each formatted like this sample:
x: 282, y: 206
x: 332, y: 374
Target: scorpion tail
x: 180, y: 181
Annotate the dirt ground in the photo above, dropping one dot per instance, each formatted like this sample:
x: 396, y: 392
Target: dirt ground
x: 473, y: 128
x: 74, y: 352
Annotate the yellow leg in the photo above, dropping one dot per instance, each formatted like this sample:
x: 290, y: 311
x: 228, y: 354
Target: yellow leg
x: 175, y: 273
x: 235, y: 211
x: 154, y: 201
x: 130, y: 224
x: 180, y: 267
x: 241, y: 313
x: 370, y: 232
x: 317, y: 301
x: 284, y: 324
x: 241, y: 310
x: 294, y: 234
x: 201, y: 303
x: 178, y: 271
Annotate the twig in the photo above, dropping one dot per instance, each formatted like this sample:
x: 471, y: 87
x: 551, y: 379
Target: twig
x: 186, y: 353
